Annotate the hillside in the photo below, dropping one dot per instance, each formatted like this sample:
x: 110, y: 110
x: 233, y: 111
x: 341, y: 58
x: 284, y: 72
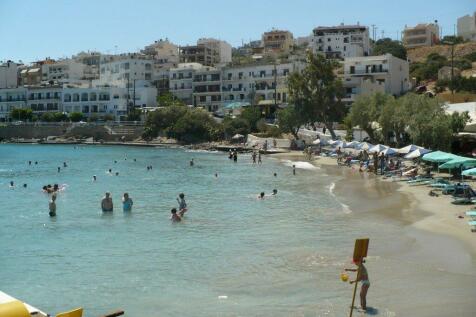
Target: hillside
x: 419, y: 54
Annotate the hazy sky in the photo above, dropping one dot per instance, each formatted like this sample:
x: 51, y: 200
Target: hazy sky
x: 35, y: 29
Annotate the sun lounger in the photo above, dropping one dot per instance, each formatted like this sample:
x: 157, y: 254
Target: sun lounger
x: 472, y: 214
x: 473, y: 225
x: 462, y: 201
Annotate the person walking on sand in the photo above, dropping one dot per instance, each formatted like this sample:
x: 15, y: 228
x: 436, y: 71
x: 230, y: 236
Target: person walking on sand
x: 106, y: 203
x: 52, y: 206
x: 363, y: 277
x: 127, y: 202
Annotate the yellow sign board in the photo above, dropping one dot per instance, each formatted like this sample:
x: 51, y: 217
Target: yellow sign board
x: 360, y: 249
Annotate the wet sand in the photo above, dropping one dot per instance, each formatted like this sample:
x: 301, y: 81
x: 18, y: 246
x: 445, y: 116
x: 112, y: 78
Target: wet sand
x: 429, y: 268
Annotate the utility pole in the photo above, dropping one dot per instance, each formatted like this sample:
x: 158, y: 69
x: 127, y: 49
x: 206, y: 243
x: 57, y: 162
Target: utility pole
x: 373, y: 32
x: 275, y: 85
x: 134, y: 94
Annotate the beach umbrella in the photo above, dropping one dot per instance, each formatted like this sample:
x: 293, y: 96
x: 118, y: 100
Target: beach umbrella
x: 238, y: 136
x: 470, y: 172
x: 353, y: 144
x: 459, y: 162
x: 365, y: 146
x: 319, y: 142
x: 416, y: 154
x: 340, y: 144
x: 409, y: 148
x: 439, y: 157
x: 332, y: 142
x: 389, y: 151
x: 377, y: 148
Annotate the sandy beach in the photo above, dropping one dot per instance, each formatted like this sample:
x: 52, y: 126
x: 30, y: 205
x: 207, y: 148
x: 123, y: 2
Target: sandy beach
x: 433, y: 214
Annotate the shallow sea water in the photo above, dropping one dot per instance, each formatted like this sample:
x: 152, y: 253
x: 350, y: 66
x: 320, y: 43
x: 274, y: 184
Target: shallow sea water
x: 233, y: 255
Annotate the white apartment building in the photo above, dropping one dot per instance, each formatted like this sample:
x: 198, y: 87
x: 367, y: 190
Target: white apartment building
x: 44, y: 98
x: 164, y: 52
x: 207, y: 88
x: 366, y: 75
x: 341, y: 41
x: 421, y: 35
x: 223, y: 48
x: 63, y: 71
x: 11, y: 98
x: 121, y: 70
x: 181, y: 81
x: 91, y: 60
x: 467, y: 27
x: 8, y: 75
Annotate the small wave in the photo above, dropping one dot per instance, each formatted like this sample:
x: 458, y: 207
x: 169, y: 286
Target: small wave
x: 201, y: 151
x: 300, y: 164
x: 345, y: 208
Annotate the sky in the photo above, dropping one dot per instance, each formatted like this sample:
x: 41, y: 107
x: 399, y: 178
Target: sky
x: 34, y: 29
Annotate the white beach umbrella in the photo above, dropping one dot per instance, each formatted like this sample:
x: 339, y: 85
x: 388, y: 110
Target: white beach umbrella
x: 317, y: 142
x: 377, y: 148
x: 353, y: 144
x: 332, y: 142
x: 389, y: 151
x: 409, y: 148
x: 416, y: 154
x: 365, y: 146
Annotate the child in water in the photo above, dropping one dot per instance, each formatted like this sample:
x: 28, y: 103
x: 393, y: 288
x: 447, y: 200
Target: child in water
x: 127, y: 202
x: 182, y: 204
x: 174, y: 217
x: 52, y: 206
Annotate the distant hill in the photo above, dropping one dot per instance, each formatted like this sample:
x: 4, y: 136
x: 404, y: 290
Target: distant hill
x: 419, y: 54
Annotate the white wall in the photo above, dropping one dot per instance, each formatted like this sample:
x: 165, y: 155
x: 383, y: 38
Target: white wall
x: 8, y: 75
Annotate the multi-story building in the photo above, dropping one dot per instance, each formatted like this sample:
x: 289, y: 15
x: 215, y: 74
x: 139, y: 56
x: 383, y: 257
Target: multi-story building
x: 44, y: 98
x: 181, y: 81
x: 30, y: 75
x: 11, y: 98
x: 421, y: 35
x: 123, y: 70
x: 8, y: 75
x: 277, y: 41
x: 63, y: 71
x: 91, y: 60
x: 164, y: 52
x: 208, y: 52
x: 365, y: 75
x: 341, y: 41
x: 207, y: 88
x: 467, y: 27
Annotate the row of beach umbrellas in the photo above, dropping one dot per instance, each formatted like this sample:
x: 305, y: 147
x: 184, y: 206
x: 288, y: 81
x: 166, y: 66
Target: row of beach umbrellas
x: 410, y: 151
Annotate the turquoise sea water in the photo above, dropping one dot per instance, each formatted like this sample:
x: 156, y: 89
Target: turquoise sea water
x: 233, y: 255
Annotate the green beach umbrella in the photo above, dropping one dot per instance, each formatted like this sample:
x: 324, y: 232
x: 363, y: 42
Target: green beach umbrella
x: 439, y: 157
x: 459, y: 162
x: 470, y: 172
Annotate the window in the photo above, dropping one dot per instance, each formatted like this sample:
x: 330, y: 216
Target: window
x: 180, y: 75
x: 116, y: 97
x: 126, y: 65
x: 352, y: 69
x: 242, y: 96
x: 231, y: 97
x: 67, y: 98
x: 203, y: 98
x: 84, y: 96
x: 92, y: 96
x: 148, y: 76
x: 240, y: 75
x: 148, y: 67
x: 285, y: 72
x: 75, y: 97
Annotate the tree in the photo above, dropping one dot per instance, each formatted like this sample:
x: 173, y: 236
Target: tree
x: 167, y: 100
x: 458, y: 121
x: 60, y: 117
x: 429, y: 69
x: 289, y: 121
x: 47, y: 117
x: 252, y: 115
x: 452, y: 39
x: 134, y: 115
x: 196, y: 126
x: 389, y: 46
x: 21, y: 114
x: 235, y: 126
x: 316, y: 92
x: 163, y: 119
x: 76, y: 116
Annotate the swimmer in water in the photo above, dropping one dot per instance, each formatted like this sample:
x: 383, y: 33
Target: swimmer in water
x: 117, y: 173
x: 110, y: 171
x: 55, y: 187
x: 94, y: 178
x: 106, y: 203
x: 275, y: 192
x: 12, y: 184
x: 182, y: 204
x: 135, y: 160
x: 294, y: 169
x: 191, y: 162
x: 52, y: 206
x: 29, y: 162
x: 115, y: 162
x: 24, y: 185
x: 59, y: 169
x: 127, y: 202
x: 36, y: 162
x: 174, y: 217
x: 64, y: 164
x: 261, y: 195
x: 216, y: 174
x: 259, y: 158
x: 275, y: 175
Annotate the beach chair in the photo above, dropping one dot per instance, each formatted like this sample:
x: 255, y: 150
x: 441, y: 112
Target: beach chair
x: 14, y: 309
x: 472, y: 224
x: 78, y: 312
x: 471, y: 214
